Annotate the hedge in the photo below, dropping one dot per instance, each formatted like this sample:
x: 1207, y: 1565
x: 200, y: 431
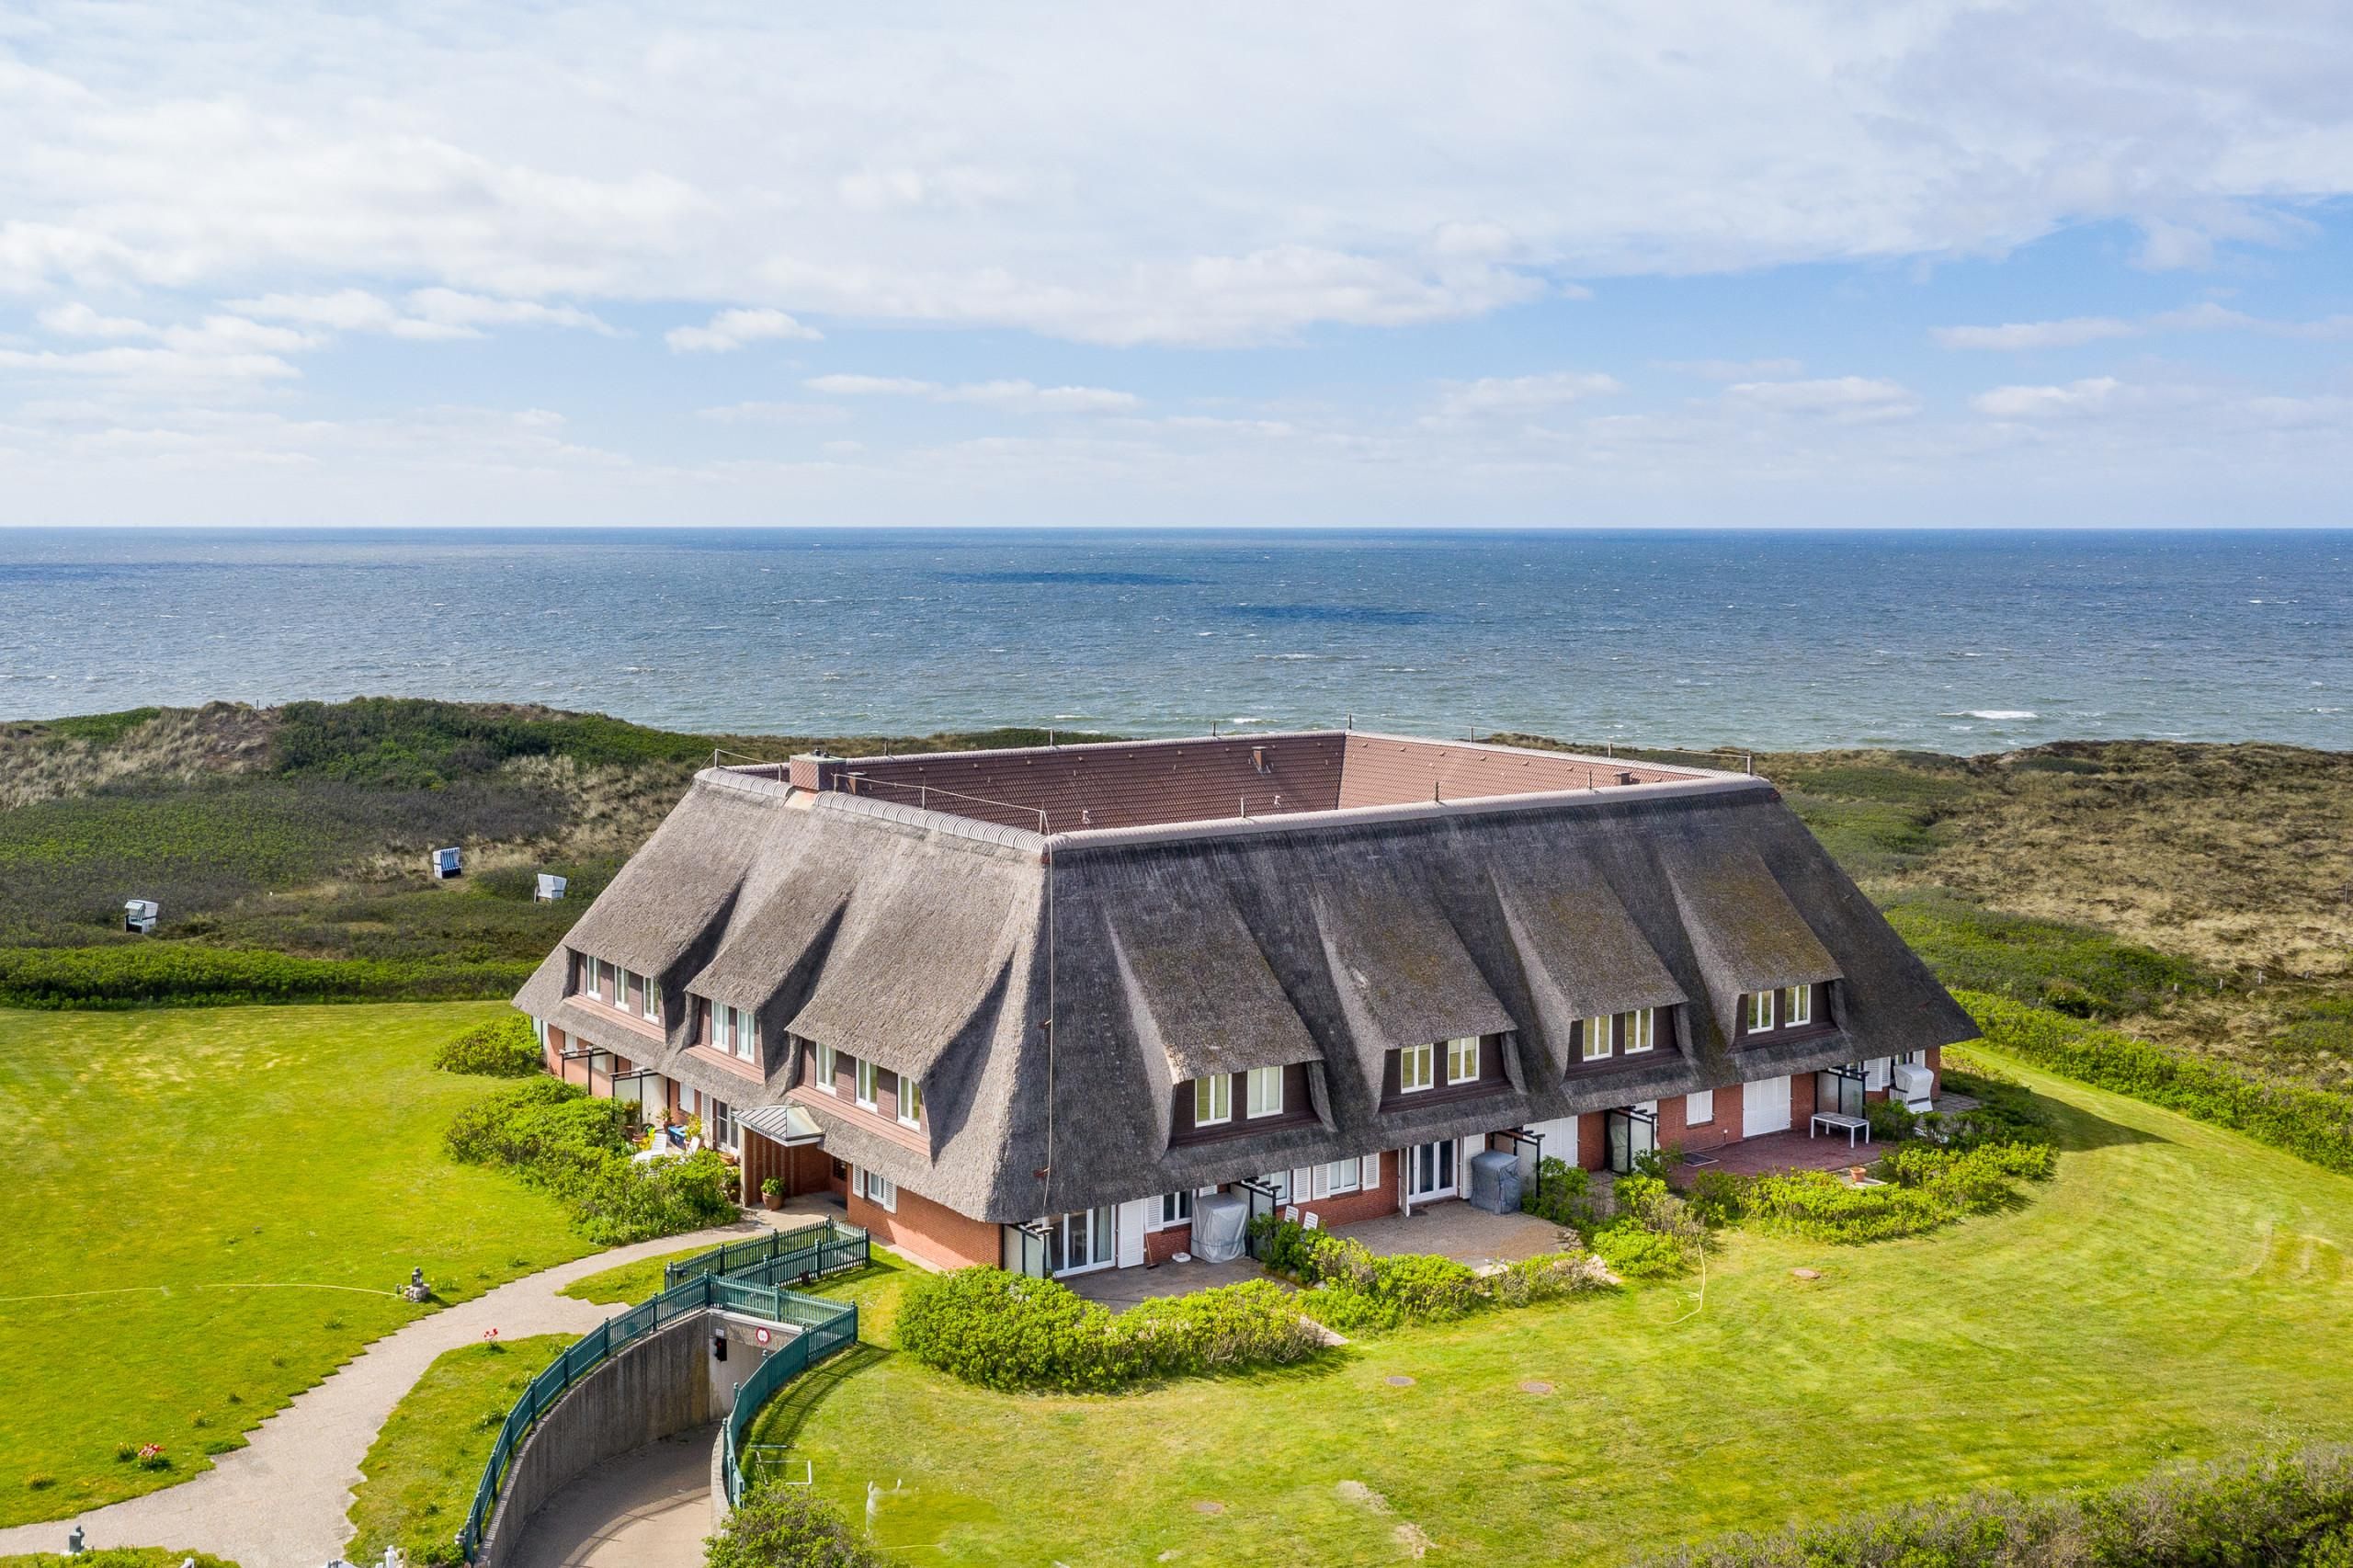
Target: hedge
x: 1014, y: 1334
x: 504, y: 1048
x: 558, y: 1137
x: 2311, y: 1124
x: 787, y: 1526
x: 1352, y: 1290
x: 150, y: 973
x: 2295, y: 1511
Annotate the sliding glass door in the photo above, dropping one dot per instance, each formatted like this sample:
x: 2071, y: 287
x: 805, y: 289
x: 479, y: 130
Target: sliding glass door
x: 1076, y: 1243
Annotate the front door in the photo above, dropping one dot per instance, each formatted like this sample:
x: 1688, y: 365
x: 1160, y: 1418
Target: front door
x: 1077, y: 1243
x: 1429, y: 1170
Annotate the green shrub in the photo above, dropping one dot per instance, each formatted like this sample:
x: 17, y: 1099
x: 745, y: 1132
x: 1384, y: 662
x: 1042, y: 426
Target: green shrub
x: 1548, y: 1276
x: 2292, y: 1512
x: 504, y: 1048
x: 1890, y: 1122
x: 1563, y: 1194
x: 1717, y: 1197
x: 1345, y: 1310
x: 1426, y: 1288
x: 556, y: 1136
x: 1015, y: 1333
x: 1633, y: 1252
x: 1820, y: 1207
x: 787, y: 1526
x: 2311, y: 1124
x: 1423, y: 1287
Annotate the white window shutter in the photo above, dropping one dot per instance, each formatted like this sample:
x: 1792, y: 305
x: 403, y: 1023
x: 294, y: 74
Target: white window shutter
x: 1369, y: 1172
x: 1303, y: 1185
x: 1323, y: 1186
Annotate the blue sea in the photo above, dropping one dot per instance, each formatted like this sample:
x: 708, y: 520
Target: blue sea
x: 1962, y: 642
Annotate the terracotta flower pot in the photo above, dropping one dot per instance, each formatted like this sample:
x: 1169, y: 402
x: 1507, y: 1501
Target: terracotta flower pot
x: 772, y: 1201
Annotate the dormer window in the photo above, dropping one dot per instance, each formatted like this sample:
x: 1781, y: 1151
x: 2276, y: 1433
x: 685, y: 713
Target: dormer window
x: 649, y: 999
x: 1416, y: 1065
x: 592, y: 981
x: 1213, y: 1100
x: 1641, y: 1030
x: 1594, y: 1044
x: 735, y: 1030
x: 1263, y: 1093
x: 1797, y: 1005
x: 1760, y: 1011
x: 869, y: 1085
x: 820, y: 1068
x: 910, y: 1101
x: 1462, y: 1060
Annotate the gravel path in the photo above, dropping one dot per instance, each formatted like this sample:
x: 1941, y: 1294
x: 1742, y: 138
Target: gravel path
x: 280, y: 1502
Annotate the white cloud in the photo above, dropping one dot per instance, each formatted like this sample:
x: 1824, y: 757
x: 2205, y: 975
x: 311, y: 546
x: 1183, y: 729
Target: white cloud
x: 1125, y: 175
x: 731, y: 330
x: 1834, y: 397
x: 2204, y: 317
x: 2086, y: 397
x: 1010, y: 396
x: 775, y: 414
x: 451, y: 308
x: 430, y: 314
x: 1510, y: 396
x: 1737, y: 370
x: 78, y: 320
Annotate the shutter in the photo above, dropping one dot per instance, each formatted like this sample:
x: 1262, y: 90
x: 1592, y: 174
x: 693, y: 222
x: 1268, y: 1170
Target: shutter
x: 1321, y: 1187
x: 1369, y: 1173
x: 1302, y: 1184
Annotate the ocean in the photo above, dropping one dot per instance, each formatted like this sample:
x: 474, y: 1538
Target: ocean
x: 1960, y: 641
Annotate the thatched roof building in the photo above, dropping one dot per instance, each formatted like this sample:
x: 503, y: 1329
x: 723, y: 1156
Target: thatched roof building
x: 1058, y: 944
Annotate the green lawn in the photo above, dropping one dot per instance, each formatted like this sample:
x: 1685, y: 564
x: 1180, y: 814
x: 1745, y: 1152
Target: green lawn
x: 631, y: 1282
x: 2176, y: 1291
x: 159, y: 1158
x: 422, y: 1469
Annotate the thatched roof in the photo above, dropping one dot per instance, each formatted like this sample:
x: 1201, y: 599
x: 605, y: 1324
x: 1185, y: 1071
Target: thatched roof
x: 942, y: 946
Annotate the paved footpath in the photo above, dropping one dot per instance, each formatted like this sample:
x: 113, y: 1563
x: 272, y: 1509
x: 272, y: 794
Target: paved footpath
x: 280, y: 1502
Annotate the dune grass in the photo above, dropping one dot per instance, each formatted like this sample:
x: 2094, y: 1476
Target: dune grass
x: 421, y: 1471
x: 2176, y: 1291
x: 208, y: 1211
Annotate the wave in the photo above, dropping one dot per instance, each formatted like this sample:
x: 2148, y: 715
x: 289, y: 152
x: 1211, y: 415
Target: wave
x: 1993, y: 714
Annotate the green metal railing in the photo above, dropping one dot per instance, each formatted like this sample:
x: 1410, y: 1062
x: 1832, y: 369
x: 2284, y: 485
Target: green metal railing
x: 824, y: 1328
x: 821, y: 1249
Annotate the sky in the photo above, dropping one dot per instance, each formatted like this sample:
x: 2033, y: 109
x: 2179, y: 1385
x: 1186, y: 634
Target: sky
x: 1339, y: 265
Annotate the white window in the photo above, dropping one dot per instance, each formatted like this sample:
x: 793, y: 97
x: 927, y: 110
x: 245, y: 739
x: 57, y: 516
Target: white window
x: 1264, y: 1094
x: 820, y: 1068
x: 1797, y: 1005
x: 1414, y: 1066
x: 650, y: 1003
x: 724, y: 1134
x: 592, y: 977
x: 735, y: 1029
x: 1596, y: 1039
x: 910, y: 1101
x: 1641, y: 1030
x: 1213, y: 1100
x: 1462, y: 1060
x: 1174, y: 1209
x: 1340, y: 1175
x: 1760, y: 1011
x: 879, y: 1190
x: 870, y: 1084
x: 1698, y: 1110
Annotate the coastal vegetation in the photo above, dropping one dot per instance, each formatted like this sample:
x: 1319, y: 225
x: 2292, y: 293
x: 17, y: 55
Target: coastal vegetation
x: 2023, y: 1347
x: 211, y: 1210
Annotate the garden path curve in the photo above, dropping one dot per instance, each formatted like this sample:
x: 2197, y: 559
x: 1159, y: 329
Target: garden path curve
x: 280, y: 1502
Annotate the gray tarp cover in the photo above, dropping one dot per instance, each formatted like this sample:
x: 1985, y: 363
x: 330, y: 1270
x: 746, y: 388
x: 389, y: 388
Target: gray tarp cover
x: 1218, y: 1223
x: 1495, y: 1182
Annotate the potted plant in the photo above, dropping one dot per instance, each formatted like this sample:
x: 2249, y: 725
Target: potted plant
x: 772, y: 1193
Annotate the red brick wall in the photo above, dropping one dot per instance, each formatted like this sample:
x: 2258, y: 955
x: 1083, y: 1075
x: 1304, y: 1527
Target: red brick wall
x: 1937, y: 1067
x: 930, y: 1231
x: 1675, y: 1131
x: 1159, y: 1246
x: 1801, y: 1098
x: 1593, y: 1140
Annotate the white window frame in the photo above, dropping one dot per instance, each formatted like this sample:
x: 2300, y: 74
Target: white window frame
x: 1797, y: 1005
x: 592, y: 977
x: 869, y: 1084
x: 878, y: 1189
x: 651, y: 1008
x: 1598, y: 1031
x: 1161, y: 1219
x: 1699, y: 1108
x: 1422, y: 1061
x: 1641, y: 1031
x: 725, y: 1132
x: 1339, y: 1176
x: 1760, y: 1011
x: 1213, y: 1100
x: 1454, y: 1051
x: 821, y: 1067
x: 1262, y: 1092
x: 910, y: 1095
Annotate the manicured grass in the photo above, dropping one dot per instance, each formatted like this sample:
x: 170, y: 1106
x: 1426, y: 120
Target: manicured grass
x: 630, y: 1282
x: 2175, y: 1291
x: 423, y: 1468
x: 157, y: 1159
x: 117, y: 1557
